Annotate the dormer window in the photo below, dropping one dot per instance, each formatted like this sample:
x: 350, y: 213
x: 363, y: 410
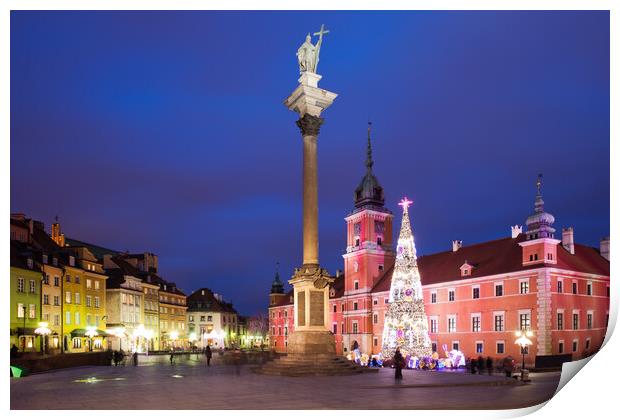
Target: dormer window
x: 54, y: 261
x: 30, y: 263
x: 44, y: 258
x: 332, y: 293
x: 71, y: 260
x: 466, y: 269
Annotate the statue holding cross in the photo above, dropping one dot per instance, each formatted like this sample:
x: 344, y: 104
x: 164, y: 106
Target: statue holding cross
x: 308, y: 54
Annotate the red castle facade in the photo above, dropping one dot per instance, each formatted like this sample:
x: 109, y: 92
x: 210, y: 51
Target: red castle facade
x: 476, y: 297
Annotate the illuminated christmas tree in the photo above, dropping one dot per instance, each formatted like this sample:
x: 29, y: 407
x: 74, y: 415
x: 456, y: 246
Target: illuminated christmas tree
x: 406, y: 326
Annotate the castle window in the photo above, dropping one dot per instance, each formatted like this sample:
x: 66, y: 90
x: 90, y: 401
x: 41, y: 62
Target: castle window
x: 499, y: 346
x: 433, y: 297
x: 475, y: 292
x: 499, y: 289
x: 479, y: 347
x: 451, y: 295
x: 589, y: 289
x: 380, y: 267
x: 375, y: 319
x: 335, y: 309
x: 561, y: 347
x: 574, y: 288
x: 335, y: 328
x: 524, y: 287
x: 356, y: 285
x: 355, y: 306
x: 559, y: 286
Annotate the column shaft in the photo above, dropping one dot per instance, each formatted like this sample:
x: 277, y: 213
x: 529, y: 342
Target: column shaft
x: 310, y: 201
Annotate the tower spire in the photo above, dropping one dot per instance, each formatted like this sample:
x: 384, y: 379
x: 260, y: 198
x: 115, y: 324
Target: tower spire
x: 369, y: 161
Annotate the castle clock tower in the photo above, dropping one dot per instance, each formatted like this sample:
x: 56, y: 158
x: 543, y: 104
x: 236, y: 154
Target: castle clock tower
x: 369, y: 254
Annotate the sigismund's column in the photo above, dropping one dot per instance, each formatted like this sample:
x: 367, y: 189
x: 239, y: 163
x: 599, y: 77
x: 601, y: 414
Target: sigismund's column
x: 310, y: 282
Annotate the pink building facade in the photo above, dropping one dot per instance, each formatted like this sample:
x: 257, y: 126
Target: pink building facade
x: 476, y: 297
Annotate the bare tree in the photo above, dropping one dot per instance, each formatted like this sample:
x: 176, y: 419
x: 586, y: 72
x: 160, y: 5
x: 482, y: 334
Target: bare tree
x: 258, y: 325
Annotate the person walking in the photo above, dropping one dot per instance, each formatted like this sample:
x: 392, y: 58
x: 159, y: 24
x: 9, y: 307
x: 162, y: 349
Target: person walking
x: 480, y: 364
x: 489, y: 365
x: 208, y: 354
x: 135, y: 358
x: 472, y: 366
x: 14, y: 351
x: 399, y: 363
x: 508, y: 366
x: 171, y: 357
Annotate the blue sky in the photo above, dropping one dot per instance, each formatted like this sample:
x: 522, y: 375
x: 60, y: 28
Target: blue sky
x: 165, y: 131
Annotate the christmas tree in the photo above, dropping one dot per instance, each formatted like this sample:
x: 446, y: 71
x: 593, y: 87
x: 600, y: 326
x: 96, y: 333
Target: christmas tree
x: 405, y: 324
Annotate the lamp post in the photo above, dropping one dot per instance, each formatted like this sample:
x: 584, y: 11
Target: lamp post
x: 43, y: 331
x: 90, y: 333
x: 174, y: 336
x: 523, y: 340
x: 148, y: 335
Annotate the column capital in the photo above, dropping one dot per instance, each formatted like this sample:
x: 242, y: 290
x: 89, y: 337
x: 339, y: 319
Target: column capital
x: 309, y: 125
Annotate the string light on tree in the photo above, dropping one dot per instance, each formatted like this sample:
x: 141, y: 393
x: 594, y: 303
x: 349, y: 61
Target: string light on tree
x: 406, y: 326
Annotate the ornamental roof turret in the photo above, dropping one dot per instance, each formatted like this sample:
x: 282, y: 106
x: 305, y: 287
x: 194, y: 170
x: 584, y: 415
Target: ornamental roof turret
x: 277, y: 286
x: 539, y: 224
x: 369, y: 193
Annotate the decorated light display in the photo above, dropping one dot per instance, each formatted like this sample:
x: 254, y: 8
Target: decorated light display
x: 43, y: 331
x: 406, y: 326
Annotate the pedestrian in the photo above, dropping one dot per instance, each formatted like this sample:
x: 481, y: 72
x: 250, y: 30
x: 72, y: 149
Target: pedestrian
x: 480, y: 364
x: 472, y: 366
x: 135, y: 358
x: 237, y: 362
x: 489, y: 365
x: 399, y: 363
x: 115, y: 357
x: 14, y: 351
x: 208, y: 354
x: 508, y: 366
x: 171, y: 357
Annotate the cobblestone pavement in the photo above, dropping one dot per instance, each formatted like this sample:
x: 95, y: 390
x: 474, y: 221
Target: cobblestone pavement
x: 190, y: 384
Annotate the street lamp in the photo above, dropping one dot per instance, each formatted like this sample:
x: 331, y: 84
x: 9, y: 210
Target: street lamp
x: 174, y: 336
x: 148, y: 335
x: 523, y: 340
x: 90, y: 333
x: 43, y: 331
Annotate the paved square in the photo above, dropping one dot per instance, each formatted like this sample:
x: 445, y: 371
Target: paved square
x: 190, y: 384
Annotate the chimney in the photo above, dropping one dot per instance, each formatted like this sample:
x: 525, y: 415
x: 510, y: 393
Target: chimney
x: 604, y: 249
x: 456, y: 245
x: 516, y: 230
x: 567, y: 240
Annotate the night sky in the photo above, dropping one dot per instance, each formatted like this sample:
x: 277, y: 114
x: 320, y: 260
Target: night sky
x: 165, y: 131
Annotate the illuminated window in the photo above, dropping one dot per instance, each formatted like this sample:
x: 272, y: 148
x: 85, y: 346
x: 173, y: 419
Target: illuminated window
x: 479, y: 347
x: 77, y: 343
x: 32, y: 287
x: 20, y: 285
x: 21, y: 310
x: 524, y: 321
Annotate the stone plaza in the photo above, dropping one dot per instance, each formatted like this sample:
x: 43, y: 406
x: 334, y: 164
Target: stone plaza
x: 190, y: 384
